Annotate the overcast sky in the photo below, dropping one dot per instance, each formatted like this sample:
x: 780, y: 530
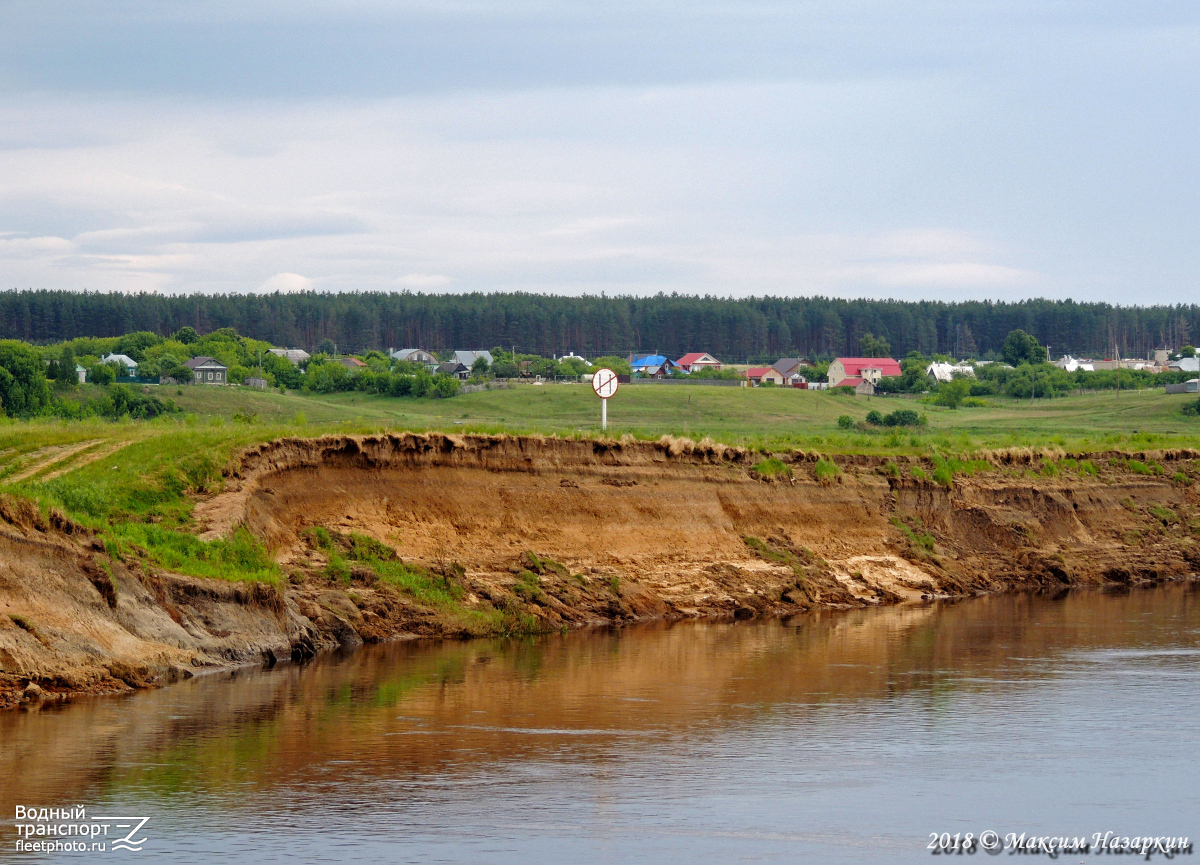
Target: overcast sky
x: 916, y: 149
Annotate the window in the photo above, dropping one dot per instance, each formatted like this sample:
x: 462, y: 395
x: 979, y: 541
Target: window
x: 210, y: 376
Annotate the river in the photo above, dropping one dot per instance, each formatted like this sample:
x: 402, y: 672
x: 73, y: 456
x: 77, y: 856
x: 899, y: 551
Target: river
x: 832, y: 736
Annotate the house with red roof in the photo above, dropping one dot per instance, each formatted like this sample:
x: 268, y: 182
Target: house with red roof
x: 853, y: 371
x: 697, y: 361
x: 759, y: 374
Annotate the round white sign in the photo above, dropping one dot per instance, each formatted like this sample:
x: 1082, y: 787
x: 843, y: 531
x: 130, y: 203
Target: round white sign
x: 604, y: 383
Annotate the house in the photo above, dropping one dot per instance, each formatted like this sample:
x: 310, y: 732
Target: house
x: 126, y: 362
x: 1070, y: 364
x: 790, y: 367
x: 415, y: 355
x: 949, y: 371
x: 468, y: 358
x: 295, y: 355
x: 655, y: 371
x: 207, y: 370
x: 351, y: 363
x: 1185, y: 364
x: 652, y: 366
x: 697, y: 361
x: 573, y: 356
x: 454, y: 368
x: 870, y: 369
x: 760, y: 374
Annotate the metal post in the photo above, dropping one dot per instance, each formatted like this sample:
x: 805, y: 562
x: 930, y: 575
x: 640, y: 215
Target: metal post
x: 603, y: 414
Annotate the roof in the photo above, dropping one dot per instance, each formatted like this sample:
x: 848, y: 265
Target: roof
x: 468, y: 358
x: 855, y: 365
x: 1186, y: 364
x: 451, y: 366
x: 204, y: 362
x: 352, y: 362
x: 295, y: 355
x: 123, y: 359
x: 854, y: 381
x: 696, y: 357
x: 406, y: 353
x: 652, y: 360
x: 786, y: 365
x: 946, y: 371
x: 759, y: 371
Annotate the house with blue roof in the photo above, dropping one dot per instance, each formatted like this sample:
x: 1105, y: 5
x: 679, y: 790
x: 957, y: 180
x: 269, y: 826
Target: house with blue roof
x: 653, y: 366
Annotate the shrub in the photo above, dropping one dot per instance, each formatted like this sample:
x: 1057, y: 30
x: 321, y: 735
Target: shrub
x: 902, y: 417
x: 845, y: 422
x: 1180, y: 478
x: 874, y: 418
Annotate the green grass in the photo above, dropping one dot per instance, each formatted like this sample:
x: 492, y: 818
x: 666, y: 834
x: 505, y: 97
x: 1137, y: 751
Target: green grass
x: 141, y: 491
x: 772, y: 468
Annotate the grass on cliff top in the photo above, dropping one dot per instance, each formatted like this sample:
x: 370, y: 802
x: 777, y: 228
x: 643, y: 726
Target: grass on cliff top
x: 137, y: 482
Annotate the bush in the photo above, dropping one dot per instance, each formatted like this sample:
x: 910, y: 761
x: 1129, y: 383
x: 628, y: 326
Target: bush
x: 902, y: 417
x: 874, y: 418
x: 845, y: 422
x: 952, y: 393
x: 445, y: 386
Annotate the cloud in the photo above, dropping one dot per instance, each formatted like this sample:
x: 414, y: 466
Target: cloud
x: 286, y: 283
x: 424, y: 280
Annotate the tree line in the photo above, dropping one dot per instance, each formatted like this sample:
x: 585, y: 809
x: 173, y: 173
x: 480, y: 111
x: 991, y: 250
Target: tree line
x: 734, y: 330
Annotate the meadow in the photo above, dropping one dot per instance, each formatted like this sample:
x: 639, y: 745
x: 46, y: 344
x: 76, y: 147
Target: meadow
x: 135, y: 482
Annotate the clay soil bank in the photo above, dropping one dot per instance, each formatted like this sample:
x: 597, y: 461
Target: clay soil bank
x: 391, y: 536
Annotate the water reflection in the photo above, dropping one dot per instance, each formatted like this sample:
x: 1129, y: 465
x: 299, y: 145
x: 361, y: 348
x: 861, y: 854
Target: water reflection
x: 510, y: 750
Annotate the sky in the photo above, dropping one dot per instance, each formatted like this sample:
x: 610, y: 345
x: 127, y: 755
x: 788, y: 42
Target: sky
x: 923, y: 149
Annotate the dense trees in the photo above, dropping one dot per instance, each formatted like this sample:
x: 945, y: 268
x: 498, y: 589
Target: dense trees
x: 23, y: 387
x: 753, y: 329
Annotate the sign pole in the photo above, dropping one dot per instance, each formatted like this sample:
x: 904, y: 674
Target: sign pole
x: 604, y: 383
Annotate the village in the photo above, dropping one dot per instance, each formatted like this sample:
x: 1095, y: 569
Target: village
x: 875, y: 375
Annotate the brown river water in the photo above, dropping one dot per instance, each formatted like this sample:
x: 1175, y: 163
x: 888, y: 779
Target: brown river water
x: 833, y: 736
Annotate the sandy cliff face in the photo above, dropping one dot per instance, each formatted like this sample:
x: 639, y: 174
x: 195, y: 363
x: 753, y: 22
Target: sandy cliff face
x: 564, y: 533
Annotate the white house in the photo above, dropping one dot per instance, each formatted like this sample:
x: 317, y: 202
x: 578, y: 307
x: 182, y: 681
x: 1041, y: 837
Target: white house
x: 947, y: 371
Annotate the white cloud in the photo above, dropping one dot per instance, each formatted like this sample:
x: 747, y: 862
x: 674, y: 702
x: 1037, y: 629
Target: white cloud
x: 286, y: 283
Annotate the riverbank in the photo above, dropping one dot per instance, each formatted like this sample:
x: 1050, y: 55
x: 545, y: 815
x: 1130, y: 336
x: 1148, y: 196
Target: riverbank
x: 379, y: 537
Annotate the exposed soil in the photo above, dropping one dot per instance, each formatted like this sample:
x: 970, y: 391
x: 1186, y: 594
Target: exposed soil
x: 543, y: 534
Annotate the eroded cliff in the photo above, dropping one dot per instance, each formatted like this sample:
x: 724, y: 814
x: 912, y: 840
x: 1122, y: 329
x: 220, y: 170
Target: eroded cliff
x: 396, y: 535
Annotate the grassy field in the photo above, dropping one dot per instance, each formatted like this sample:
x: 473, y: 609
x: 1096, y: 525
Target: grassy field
x: 767, y: 418
x: 136, y: 482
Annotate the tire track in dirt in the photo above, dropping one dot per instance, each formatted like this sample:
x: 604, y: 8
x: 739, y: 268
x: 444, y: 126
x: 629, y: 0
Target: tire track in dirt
x: 49, y: 456
x: 87, y: 459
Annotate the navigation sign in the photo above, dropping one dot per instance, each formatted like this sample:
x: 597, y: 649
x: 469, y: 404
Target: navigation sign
x: 604, y: 383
